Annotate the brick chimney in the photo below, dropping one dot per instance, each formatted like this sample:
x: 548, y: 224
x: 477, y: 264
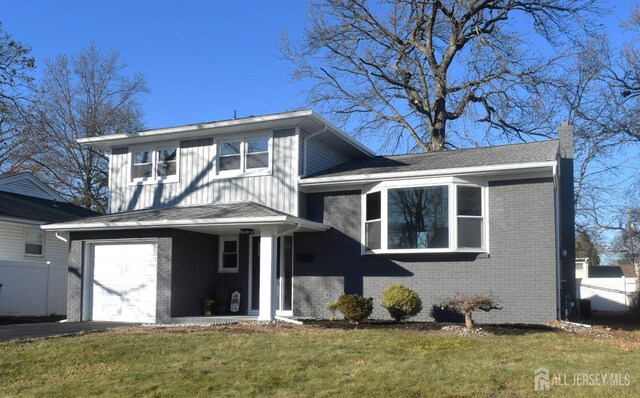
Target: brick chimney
x: 565, y: 134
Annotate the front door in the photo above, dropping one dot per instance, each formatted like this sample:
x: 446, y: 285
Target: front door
x: 284, y: 275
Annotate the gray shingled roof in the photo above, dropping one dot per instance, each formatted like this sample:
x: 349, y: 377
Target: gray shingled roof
x: 13, y: 205
x: 495, y: 155
x: 200, y: 212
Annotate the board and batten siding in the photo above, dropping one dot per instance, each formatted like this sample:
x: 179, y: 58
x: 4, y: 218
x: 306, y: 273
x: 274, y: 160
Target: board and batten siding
x: 32, y: 286
x: 199, y: 184
x: 320, y: 156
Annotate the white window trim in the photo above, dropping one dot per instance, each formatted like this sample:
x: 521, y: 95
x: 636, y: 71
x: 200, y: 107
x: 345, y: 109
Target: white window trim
x: 223, y: 239
x: 451, y: 184
x: 43, y: 240
x: 154, y: 164
x: 242, y: 171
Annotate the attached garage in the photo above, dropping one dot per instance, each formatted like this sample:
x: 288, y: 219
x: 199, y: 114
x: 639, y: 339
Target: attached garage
x: 122, y: 282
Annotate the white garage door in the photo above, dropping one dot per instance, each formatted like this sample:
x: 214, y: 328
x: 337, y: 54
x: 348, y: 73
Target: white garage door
x: 124, y: 282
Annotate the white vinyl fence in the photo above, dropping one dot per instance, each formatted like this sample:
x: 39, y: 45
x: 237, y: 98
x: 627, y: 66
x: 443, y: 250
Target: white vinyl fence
x: 32, y: 289
x: 608, y: 294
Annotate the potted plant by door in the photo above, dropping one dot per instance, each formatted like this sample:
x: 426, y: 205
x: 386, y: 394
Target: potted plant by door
x: 208, y: 306
x: 222, y: 301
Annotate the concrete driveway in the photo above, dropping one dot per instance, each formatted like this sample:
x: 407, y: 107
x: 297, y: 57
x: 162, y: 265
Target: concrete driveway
x: 26, y: 331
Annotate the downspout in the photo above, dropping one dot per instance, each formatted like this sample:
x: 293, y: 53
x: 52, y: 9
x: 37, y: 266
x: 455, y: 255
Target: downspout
x: 556, y: 209
x: 62, y: 238
x: 306, y: 140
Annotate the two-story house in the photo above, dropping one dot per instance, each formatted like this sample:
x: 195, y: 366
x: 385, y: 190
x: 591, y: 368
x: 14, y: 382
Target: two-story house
x: 291, y: 212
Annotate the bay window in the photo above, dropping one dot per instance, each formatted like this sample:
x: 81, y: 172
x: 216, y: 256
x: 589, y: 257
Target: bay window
x: 443, y: 217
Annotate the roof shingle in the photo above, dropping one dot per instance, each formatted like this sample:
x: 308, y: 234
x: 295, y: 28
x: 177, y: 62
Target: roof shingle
x: 495, y: 155
x: 13, y: 205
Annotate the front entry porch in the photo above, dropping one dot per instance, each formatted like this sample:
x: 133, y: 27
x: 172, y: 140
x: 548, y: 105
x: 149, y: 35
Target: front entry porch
x: 159, y: 266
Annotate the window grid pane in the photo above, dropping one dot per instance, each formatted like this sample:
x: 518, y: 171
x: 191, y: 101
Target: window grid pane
x: 230, y: 149
x: 418, y: 218
x: 469, y: 201
x: 373, y: 235
x: 258, y: 145
x: 257, y: 160
x: 230, y: 162
x: 373, y: 204
x: 470, y: 232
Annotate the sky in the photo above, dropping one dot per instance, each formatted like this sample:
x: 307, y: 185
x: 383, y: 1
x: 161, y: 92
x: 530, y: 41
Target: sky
x: 202, y: 60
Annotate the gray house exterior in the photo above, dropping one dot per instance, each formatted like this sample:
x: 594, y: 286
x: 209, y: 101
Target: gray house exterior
x: 291, y: 213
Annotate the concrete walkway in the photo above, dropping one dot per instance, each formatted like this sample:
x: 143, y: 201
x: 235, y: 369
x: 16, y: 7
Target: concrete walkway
x: 26, y: 331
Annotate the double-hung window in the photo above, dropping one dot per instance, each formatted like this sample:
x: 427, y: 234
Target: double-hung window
x: 244, y: 155
x: 154, y: 164
x: 228, y: 261
x: 445, y: 217
x: 33, y: 241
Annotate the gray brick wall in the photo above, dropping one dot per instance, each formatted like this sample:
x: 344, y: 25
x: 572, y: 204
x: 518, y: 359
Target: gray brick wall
x: 187, y: 269
x: 194, y: 271
x: 74, y: 282
x: 519, y: 269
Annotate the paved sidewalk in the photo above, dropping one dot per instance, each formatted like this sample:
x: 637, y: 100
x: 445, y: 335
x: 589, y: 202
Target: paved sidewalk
x: 26, y: 331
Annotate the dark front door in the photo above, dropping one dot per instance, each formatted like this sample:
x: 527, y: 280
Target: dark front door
x: 255, y: 273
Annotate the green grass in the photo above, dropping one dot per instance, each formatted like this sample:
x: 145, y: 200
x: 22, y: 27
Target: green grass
x: 290, y: 361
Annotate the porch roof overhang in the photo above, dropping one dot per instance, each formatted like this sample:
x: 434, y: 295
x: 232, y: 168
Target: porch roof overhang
x: 216, y: 219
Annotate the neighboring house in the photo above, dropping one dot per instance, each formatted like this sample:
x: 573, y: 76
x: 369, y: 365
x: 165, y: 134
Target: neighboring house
x: 33, y: 264
x: 291, y: 212
x: 582, y: 267
x: 608, y: 287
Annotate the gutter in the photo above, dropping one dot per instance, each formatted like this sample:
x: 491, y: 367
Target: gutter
x: 359, y: 178
x: 184, y: 223
x: 292, y: 230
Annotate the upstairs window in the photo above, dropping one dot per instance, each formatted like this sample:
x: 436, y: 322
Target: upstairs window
x: 33, y: 241
x: 230, y: 156
x: 142, y: 164
x: 245, y: 155
x: 257, y: 156
x: 166, y: 163
x: 435, y: 218
x: 154, y: 164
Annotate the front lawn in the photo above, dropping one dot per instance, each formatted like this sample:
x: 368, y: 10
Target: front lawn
x: 284, y: 361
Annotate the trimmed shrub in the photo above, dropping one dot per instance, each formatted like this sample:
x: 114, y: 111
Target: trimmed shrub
x: 466, y: 306
x: 401, y: 302
x: 354, y: 307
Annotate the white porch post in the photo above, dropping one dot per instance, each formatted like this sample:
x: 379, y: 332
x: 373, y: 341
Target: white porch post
x: 268, y: 253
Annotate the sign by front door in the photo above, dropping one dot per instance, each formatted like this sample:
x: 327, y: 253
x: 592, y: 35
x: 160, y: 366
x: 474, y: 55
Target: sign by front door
x: 235, y: 301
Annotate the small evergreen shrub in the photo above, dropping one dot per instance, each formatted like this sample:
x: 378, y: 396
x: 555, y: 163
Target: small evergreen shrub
x: 401, y: 302
x: 354, y: 307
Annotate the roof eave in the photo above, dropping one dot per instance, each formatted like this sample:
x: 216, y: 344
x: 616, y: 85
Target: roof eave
x: 479, y: 170
x: 239, y: 221
x: 281, y: 120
